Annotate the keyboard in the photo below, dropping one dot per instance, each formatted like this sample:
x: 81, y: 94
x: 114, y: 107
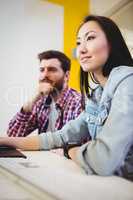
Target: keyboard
x: 9, y: 151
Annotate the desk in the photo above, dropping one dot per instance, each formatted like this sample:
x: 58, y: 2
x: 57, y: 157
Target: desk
x: 55, y: 177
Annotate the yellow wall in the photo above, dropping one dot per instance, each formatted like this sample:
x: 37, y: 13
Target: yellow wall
x: 74, y: 12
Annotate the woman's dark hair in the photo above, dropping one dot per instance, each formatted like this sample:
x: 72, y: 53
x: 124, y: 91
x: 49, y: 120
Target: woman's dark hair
x: 119, y: 53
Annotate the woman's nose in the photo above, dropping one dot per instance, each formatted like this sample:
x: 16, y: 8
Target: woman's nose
x: 83, y: 48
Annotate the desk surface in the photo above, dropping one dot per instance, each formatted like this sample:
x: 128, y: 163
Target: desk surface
x: 27, y: 181
x: 55, y: 177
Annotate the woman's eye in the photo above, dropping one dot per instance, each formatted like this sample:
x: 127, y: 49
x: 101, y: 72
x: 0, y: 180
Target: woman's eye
x: 77, y: 43
x: 90, y: 38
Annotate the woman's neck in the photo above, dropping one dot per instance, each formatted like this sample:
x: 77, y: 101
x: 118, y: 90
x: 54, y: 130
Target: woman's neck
x: 100, y: 79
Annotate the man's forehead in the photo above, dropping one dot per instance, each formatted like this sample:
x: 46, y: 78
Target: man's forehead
x: 52, y: 62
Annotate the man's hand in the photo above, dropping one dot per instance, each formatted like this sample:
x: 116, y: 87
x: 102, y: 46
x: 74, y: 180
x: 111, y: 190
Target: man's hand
x: 44, y: 88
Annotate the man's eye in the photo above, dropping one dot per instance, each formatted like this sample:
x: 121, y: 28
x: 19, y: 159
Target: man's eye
x: 90, y: 38
x: 41, y: 69
x: 52, y: 69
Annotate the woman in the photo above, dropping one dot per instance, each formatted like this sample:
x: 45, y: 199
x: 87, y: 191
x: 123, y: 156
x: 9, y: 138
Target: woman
x: 102, y: 53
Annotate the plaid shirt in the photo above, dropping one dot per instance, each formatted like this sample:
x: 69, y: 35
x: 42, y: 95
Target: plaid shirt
x: 68, y: 106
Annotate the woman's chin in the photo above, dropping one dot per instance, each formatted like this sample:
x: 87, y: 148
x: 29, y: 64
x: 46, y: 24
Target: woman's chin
x: 86, y: 68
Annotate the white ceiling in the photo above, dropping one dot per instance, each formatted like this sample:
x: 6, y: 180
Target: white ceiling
x: 121, y: 11
x: 108, y: 8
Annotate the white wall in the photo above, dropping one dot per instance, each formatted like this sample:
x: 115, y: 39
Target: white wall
x: 27, y: 27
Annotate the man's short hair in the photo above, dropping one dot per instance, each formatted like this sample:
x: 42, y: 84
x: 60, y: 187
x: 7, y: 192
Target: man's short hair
x: 65, y: 61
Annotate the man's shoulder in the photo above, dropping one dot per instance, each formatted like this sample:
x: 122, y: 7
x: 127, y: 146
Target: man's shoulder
x: 74, y: 93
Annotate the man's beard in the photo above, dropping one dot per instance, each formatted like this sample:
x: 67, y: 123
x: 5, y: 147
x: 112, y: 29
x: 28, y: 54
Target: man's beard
x: 58, y: 86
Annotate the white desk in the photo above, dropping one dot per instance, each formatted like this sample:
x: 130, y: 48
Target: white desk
x: 55, y: 177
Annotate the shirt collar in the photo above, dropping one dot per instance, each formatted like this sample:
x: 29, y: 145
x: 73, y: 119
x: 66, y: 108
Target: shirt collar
x: 60, y: 103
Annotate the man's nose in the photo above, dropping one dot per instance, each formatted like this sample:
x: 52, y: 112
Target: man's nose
x: 44, y: 74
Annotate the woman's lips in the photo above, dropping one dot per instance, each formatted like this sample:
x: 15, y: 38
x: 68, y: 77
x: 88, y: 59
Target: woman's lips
x: 85, y: 59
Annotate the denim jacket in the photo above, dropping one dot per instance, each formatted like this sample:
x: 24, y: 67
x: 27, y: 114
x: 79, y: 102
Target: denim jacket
x: 108, y: 120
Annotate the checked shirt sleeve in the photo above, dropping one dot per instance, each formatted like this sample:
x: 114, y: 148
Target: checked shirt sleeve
x: 22, y: 123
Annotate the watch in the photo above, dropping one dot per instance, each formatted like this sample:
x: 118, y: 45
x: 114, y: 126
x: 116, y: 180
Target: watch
x: 68, y: 146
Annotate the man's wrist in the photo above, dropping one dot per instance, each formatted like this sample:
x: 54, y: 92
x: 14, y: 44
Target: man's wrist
x: 27, y: 108
x: 29, y: 105
x: 24, y: 111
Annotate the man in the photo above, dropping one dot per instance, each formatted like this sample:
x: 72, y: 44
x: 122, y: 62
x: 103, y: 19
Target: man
x: 54, y: 104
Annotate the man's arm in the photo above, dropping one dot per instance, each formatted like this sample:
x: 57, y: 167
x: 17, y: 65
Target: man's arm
x: 24, y: 143
x: 24, y: 122
x: 44, y: 88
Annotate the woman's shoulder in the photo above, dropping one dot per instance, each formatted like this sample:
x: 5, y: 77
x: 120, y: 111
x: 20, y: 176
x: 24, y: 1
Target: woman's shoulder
x: 121, y: 72
x: 118, y: 74
x: 122, y: 75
